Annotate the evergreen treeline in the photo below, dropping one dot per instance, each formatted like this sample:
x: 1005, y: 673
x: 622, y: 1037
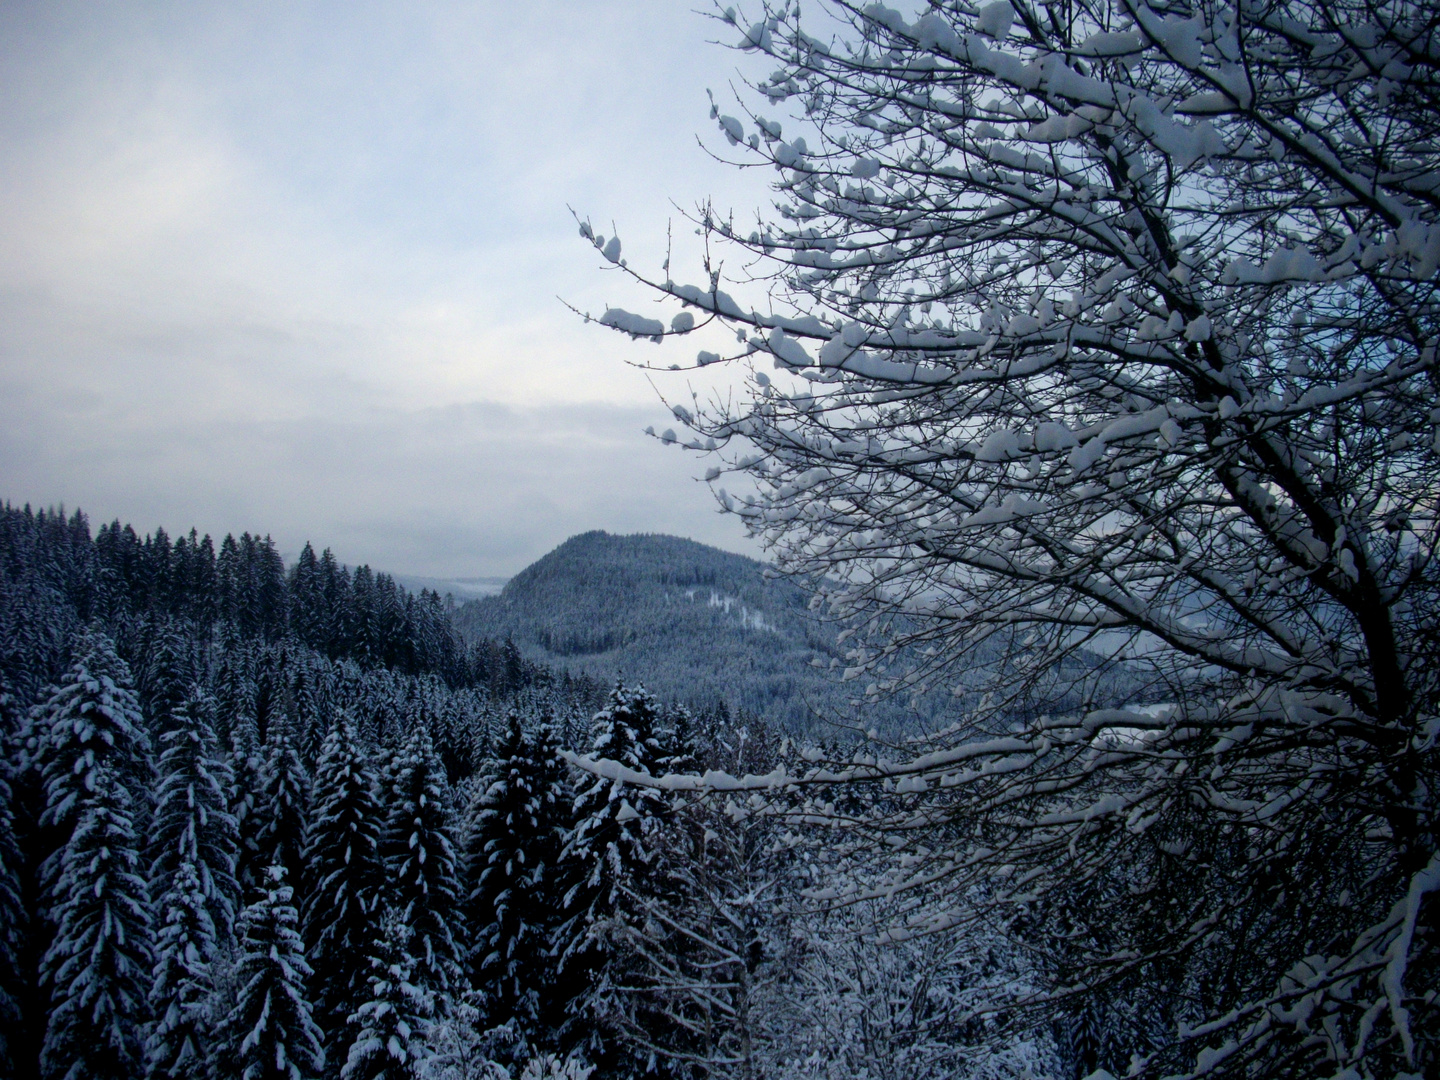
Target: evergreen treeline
x: 258, y: 831
x: 57, y: 578
x: 700, y: 625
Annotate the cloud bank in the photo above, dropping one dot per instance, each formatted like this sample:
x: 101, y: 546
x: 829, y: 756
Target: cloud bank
x: 296, y: 267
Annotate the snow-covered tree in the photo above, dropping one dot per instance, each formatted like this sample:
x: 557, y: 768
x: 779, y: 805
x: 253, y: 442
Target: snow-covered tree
x: 178, y: 1046
x: 847, y: 998
x: 91, y: 721
x: 697, y: 936
x: 310, y: 711
x: 192, y: 878
x: 247, y: 770
x: 342, y: 857
x: 518, y: 822
x: 1104, y: 337
x: 607, y: 845
x: 167, y: 673
x: 420, y: 861
x: 389, y: 1028
x: 282, y: 805
x: 14, y: 918
x: 98, y: 965
x: 193, y: 824
x: 609, y: 853
x: 270, y: 1033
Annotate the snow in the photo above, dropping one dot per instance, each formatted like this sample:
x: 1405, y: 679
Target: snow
x: 1000, y: 446
x: 865, y: 168
x: 1011, y: 508
x: 637, y: 326
x: 733, y: 129
x: 995, y: 20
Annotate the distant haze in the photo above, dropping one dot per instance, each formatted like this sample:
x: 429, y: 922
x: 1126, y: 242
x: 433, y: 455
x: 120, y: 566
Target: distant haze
x: 295, y: 268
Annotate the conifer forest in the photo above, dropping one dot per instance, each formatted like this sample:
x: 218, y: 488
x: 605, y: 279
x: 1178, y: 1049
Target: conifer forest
x: 1082, y: 723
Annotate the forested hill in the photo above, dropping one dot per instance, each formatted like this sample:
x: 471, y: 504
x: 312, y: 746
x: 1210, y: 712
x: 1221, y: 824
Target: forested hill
x: 264, y: 639
x: 692, y: 622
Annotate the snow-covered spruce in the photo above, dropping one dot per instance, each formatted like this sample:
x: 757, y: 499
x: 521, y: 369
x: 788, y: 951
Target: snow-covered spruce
x: 14, y: 918
x: 282, y: 805
x: 270, y: 1033
x: 611, y: 850
x: 166, y: 676
x: 91, y: 721
x: 420, y: 860
x: 98, y: 966
x: 608, y: 842
x: 342, y: 858
x: 193, y: 824
x: 247, y: 770
x: 518, y: 822
x: 310, y: 713
x: 179, y: 1043
x: 389, y: 1028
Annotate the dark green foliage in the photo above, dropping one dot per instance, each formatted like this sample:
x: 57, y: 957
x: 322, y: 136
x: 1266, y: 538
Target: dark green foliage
x: 178, y: 1046
x: 420, y: 861
x: 517, y: 828
x: 282, y: 805
x: 193, y: 824
x: 388, y: 1028
x: 342, y: 859
x: 99, y: 964
x: 91, y: 721
x: 270, y: 1033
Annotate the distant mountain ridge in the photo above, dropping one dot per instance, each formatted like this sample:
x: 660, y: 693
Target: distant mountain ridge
x: 692, y: 622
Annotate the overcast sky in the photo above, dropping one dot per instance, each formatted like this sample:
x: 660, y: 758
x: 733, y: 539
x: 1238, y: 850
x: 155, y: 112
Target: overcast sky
x: 294, y: 267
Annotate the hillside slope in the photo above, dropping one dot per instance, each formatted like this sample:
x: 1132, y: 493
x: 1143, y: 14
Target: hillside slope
x: 692, y: 622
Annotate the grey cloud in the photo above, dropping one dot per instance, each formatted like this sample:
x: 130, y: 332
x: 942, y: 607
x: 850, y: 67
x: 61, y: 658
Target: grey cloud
x: 252, y: 258
x: 472, y: 490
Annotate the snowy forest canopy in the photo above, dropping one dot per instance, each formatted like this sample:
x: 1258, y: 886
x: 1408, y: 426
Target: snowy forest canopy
x: 1104, y: 339
x: 272, y: 821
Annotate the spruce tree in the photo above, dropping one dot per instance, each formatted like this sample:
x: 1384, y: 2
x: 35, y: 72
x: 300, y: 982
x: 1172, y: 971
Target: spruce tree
x: 192, y: 876
x: 679, y: 744
x: 389, y: 1026
x: 99, y: 964
x: 607, y: 845
x: 24, y: 927
x: 342, y: 858
x: 309, y: 711
x: 608, y: 851
x: 178, y: 1047
x: 92, y: 721
x: 270, y: 1033
x: 193, y: 823
x: 420, y: 862
x: 282, y: 805
x: 166, y: 676
x: 14, y: 923
x: 247, y: 770
x: 517, y: 827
